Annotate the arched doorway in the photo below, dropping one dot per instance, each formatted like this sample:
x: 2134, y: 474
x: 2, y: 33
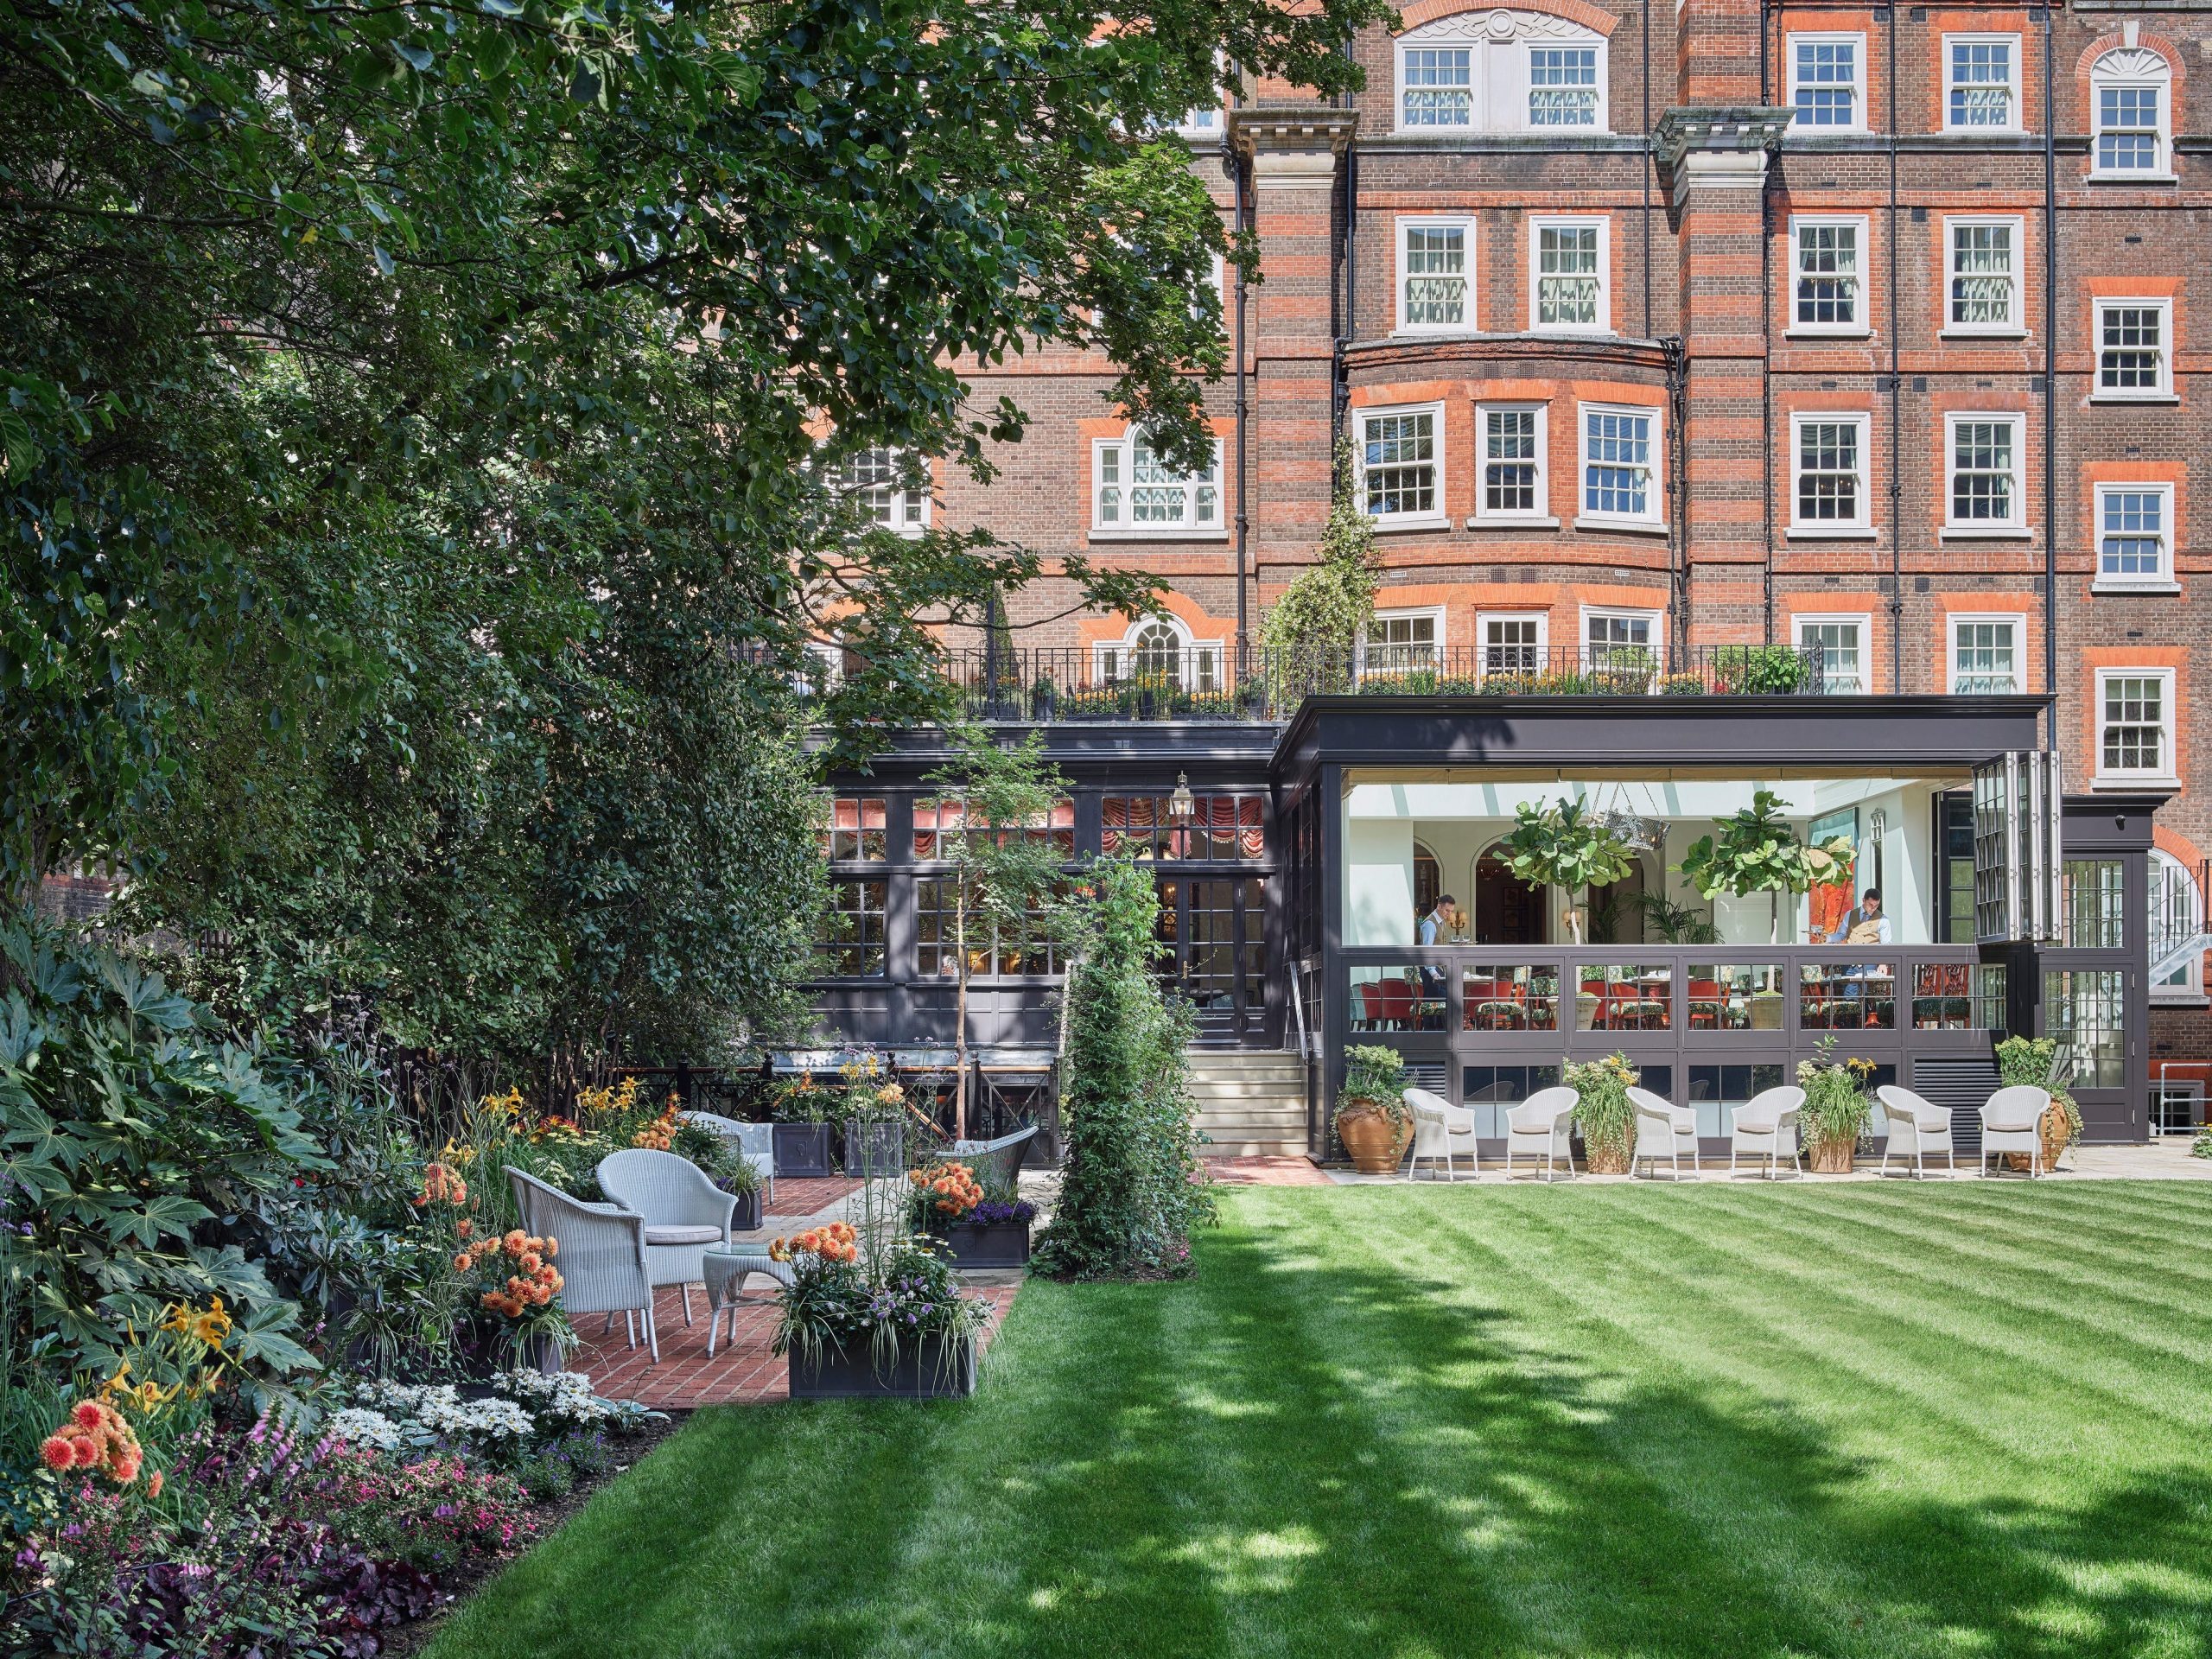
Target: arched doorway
x: 1428, y: 880
x: 1508, y: 911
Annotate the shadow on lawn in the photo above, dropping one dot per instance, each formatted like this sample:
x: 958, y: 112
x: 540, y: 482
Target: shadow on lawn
x: 1423, y: 1484
x: 1303, y: 1456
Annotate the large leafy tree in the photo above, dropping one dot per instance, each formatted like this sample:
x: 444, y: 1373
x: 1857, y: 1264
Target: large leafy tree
x: 361, y: 361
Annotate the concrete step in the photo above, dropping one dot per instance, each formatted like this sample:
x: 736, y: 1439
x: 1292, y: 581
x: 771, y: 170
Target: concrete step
x: 1227, y: 1147
x: 1268, y: 1120
x: 1245, y: 1089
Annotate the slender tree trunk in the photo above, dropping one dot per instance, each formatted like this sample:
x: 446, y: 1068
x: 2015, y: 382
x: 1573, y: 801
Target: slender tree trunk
x: 960, y: 1017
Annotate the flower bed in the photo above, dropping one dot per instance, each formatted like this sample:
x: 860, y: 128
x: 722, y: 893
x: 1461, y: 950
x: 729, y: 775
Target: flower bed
x: 949, y: 1204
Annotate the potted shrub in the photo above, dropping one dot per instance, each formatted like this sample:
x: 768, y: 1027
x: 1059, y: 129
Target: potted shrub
x: 1757, y: 851
x: 1836, y: 1108
x: 1042, y: 697
x: 2034, y: 1061
x: 875, y: 1323
x: 1560, y: 845
x: 802, y: 1136
x: 982, y: 1230
x: 1602, y: 1111
x: 1371, y: 1118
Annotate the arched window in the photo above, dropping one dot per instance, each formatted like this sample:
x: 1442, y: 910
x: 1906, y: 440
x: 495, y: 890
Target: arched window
x: 2130, y: 100
x: 1160, y: 649
x: 1500, y: 70
x: 2176, y: 927
x: 1133, y: 493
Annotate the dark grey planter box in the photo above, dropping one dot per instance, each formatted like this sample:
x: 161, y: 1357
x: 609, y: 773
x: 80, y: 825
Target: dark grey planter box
x: 1003, y: 1244
x: 746, y: 1218
x: 932, y: 1368
x: 802, y: 1149
x: 874, y: 1148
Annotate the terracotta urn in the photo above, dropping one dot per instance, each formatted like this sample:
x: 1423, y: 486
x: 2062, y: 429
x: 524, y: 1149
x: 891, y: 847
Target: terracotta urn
x: 1374, y: 1143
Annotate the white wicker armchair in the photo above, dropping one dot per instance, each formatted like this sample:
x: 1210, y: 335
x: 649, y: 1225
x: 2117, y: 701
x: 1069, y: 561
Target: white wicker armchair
x: 1663, y: 1130
x: 1917, y: 1126
x: 2011, y: 1120
x: 1540, y: 1126
x: 1439, y: 1127
x: 684, y: 1212
x: 757, y: 1141
x: 1766, y: 1125
x: 602, y: 1259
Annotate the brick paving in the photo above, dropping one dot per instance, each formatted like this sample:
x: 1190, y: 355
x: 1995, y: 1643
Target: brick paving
x: 1266, y: 1172
x: 743, y: 1371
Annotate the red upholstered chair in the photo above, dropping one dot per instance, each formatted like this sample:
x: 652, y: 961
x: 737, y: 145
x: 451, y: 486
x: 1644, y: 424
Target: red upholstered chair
x: 1398, y: 1004
x: 1707, y: 991
x: 1370, y: 1005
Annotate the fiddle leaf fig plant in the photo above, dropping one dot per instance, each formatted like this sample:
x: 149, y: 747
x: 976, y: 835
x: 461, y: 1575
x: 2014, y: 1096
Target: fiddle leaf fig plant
x: 1758, y: 851
x: 1559, y: 844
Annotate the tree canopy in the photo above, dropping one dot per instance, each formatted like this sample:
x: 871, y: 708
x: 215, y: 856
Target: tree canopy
x: 408, y: 406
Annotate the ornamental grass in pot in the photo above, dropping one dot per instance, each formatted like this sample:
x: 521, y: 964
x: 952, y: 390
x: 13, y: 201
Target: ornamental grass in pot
x: 1836, y: 1108
x: 2034, y: 1061
x: 1603, y: 1111
x: 1371, y: 1118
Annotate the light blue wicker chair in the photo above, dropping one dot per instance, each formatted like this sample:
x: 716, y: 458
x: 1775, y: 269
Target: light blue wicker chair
x: 683, y: 1210
x: 602, y: 1259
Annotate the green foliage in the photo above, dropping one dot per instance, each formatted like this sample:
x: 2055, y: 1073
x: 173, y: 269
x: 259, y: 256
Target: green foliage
x: 1560, y: 844
x: 1759, y: 670
x: 1757, y: 851
x: 1008, y: 862
x: 1837, y: 1106
x: 1602, y: 1108
x: 1130, y: 1189
x: 1312, y: 633
x: 132, y: 1137
x: 1375, y: 1076
x: 1676, y: 924
x: 2034, y: 1061
x: 2201, y: 1144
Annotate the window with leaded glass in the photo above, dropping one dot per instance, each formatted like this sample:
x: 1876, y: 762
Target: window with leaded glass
x: 2086, y: 1012
x: 1134, y: 491
x: 993, y: 948
x: 2095, y: 913
x: 856, y: 830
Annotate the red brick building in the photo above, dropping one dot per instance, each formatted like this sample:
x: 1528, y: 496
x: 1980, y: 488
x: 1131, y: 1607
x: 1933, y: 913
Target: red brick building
x: 1866, y: 329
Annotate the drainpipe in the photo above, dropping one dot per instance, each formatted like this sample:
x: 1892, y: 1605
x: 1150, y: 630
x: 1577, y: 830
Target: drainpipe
x: 1648, y: 164
x: 1896, y: 392
x: 1766, y: 344
x: 1678, y: 468
x: 1346, y: 324
x: 2049, y: 385
x: 1239, y: 173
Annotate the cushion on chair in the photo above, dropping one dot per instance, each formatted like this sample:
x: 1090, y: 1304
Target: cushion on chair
x: 684, y: 1235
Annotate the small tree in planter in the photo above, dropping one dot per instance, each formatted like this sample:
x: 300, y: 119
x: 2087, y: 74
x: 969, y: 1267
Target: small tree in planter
x: 1371, y: 1118
x: 1757, y: 851
x: 1836, y: 1108
x: 1560, y: 845
x: 1006, y: 863
x: 2034, y: 1061
x: 1603, y: 1111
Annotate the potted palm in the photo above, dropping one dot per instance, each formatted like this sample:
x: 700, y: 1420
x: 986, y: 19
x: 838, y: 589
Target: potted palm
x: 1836, y: 1108
x: 1603, y: 1111
x: 1371, y: 1118
x: 2034, y: 1061
x: 1560, y: 845
x: 1757, y: 851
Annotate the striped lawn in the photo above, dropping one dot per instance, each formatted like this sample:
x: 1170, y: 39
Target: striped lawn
x: 1837, y: 1420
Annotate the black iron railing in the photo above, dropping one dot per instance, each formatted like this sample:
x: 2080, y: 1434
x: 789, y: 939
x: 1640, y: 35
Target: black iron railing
x: 1210, y: 681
